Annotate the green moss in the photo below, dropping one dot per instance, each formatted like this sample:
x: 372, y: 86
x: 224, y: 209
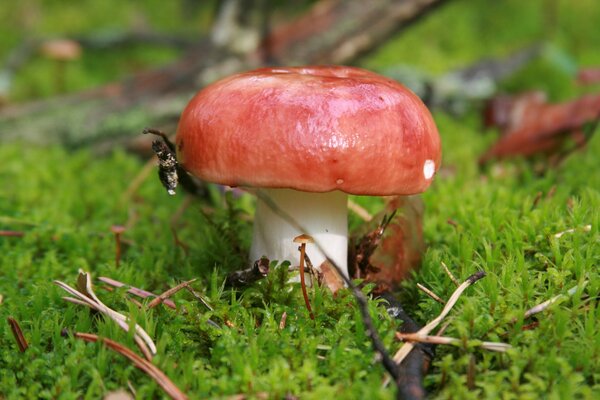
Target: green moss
x: 65, y: 202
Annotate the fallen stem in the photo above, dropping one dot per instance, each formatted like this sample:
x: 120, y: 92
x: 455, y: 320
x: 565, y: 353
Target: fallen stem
x: 135, y: 291
x: 18, y: 334
x: 163, y: 296
x: 415, y: 337
x: 407, y: 347
x: 430, y: 294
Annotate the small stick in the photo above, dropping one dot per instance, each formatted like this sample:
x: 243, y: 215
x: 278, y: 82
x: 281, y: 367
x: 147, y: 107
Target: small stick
x: 542, y: 306
x: 407, y: 347
x: 430, y: 293
x: 586, y: 228
x: 118, y: 231
x: 18, y: 334
x: 165, y: 295
x: 415, y: 337
x: 150, y: 369
x: 359, y: 210
x: 303, y: 239
x: 135, y: 291
x: 452, y: 278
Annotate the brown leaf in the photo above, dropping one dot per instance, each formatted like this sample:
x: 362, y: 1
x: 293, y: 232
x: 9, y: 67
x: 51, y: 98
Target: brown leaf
x: 386, y: 250
x: 530, y: 126
x: 330, y: 277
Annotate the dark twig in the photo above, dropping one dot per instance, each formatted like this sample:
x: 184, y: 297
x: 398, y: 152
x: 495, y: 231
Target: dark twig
x: 247, y: 276
x: 18, y: 334
x: 415, y: 366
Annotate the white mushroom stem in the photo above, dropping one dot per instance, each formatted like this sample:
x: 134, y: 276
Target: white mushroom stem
x: 323, y: 215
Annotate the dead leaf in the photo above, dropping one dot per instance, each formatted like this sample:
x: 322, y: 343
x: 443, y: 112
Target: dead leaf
x: 530, y: 126
x: 386, y: 250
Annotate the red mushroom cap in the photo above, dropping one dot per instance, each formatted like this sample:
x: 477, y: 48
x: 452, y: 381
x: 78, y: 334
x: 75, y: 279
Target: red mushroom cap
x: 314, y: 129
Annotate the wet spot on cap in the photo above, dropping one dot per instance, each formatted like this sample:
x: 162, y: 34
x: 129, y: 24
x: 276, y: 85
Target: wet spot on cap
x: 339, y: 181
x: 429, y: 169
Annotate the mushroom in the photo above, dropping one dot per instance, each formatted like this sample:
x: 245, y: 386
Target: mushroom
x: 308, y: 137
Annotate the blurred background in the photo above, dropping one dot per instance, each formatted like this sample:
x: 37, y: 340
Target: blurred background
x: 153, y: 55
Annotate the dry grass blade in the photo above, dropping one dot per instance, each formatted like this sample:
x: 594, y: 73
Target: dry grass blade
x: 430, y: 293
x: 86, y: 296
x: 415, y: 337
x: 407, y: 347
x: 144, y: 294
x: 163, y: 296
x: 152, y: 370
x: 542, y: 306
x: 450, y: 275
x: 18, y: 334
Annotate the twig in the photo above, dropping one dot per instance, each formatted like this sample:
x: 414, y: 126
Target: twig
x: 165, y: 295
x: 18, y: 334
x: 135, y: 291
x: 585, y: 228
x: 407, y: 347
x: 359, y: 210
x: 450, y: 275
x: 542, y: 306
x: 84, y: 295
x: 430, y: 294
x: 118, y: 231
x: 303, y: 240
x: 415, y: 337
x: 150, y: 369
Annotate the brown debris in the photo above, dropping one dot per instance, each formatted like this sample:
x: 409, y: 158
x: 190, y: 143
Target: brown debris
x: 388, y: 252
x: 530, y: 126
x: 18, y: 334
x: 163, y: 296
x: 135, y: 291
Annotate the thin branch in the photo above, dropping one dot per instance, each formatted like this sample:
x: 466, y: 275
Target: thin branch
x: 415, y: 337
x: 542, y: 306
x: 430, y: 293
x: 135, y: 291
x: 450, y: 275
x: 165, y: 295
x: 407, y: 347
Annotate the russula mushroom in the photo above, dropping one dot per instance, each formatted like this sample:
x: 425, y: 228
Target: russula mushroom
x: 309, y: 136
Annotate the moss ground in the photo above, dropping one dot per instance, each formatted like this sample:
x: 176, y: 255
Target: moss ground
x: 65, y: 202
